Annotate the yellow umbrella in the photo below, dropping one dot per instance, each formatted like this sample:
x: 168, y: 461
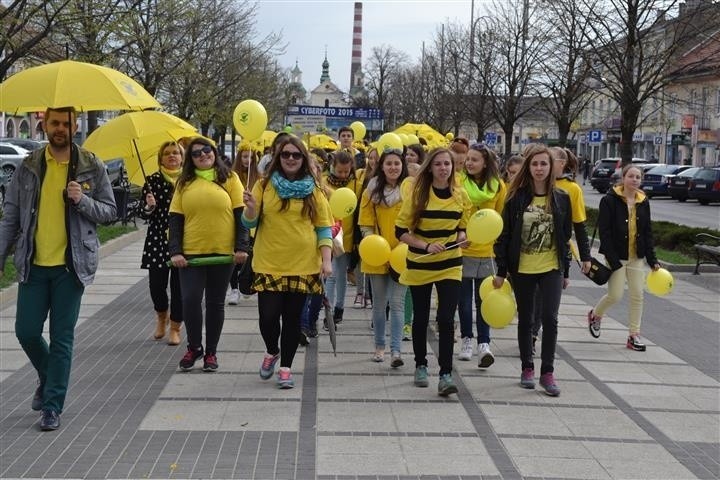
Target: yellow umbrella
x: 432, y: 137
x: 320, y: 140
x: 84, y: 86
x: 264, y: 141
x: 136, y: 138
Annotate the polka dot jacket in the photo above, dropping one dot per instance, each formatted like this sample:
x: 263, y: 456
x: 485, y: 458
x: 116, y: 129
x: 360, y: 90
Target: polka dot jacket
x: 155, y: 252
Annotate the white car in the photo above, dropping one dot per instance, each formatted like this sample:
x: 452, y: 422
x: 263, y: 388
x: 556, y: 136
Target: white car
x: 10, y: 157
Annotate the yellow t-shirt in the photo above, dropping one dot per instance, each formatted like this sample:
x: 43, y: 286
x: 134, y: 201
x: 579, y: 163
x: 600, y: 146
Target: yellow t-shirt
x: 439, y: 223
x: 208, y: 211
x: 496, y: 203
x: 348, y: 224
x: 381, y: 219
x: 50, y: 235
x: 285, y: 241
x: 538, y: 253
x: 577, y: 201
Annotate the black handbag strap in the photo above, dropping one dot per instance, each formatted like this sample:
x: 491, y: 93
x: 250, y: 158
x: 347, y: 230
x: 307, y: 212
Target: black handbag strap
x: 592, y: 240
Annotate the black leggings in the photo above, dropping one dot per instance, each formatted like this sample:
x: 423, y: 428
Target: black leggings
x: 448, y: 293
x: 211, y: 280
x: 272, y: 306
x: 158, y: 280
x: 549, y: 285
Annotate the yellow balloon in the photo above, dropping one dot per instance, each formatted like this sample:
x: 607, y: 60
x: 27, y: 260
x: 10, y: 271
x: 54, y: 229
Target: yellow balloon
x: 484, y: 226
x: 389, y: 141
x: 413, y: 139
x: 398, y: 257
x: 358, y: 129
x: 498, y: 309
x: 250, y: 119
x: 486, y: 286
x: 450, y: 136
x: 374, y: 250
x: 343, y: 202
x: 659, y: 282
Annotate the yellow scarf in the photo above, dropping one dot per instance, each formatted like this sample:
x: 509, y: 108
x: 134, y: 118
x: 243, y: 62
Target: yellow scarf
x: 170, y: 175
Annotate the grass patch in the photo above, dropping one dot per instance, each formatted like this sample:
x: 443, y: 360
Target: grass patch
x: 677, y: 258
x: 104, y: 232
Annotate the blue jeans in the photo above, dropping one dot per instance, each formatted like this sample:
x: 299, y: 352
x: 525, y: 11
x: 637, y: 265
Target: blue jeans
x: 311, y: 311
x: 388, y: 291
x: 338, y: 281
x: 469, y: 288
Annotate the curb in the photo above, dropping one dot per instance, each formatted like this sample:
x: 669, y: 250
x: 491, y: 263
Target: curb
x: 9, y: 294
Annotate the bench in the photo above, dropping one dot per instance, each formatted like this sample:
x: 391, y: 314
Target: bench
x: 707, y: 250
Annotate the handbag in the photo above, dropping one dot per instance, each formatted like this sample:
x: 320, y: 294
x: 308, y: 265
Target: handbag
x: 599, y: 273
x: 246, y: 274
x: 338, y: 246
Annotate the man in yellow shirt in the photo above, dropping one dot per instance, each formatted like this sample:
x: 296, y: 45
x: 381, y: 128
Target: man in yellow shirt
x: 57, y: 197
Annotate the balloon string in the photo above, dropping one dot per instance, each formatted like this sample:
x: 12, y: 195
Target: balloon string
x: 449, y: 247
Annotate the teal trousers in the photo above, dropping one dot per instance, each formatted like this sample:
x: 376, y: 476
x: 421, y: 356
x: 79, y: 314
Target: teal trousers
x: 57, y: 291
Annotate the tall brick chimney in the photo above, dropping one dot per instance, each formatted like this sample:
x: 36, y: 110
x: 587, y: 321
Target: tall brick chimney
x: 356, y: 63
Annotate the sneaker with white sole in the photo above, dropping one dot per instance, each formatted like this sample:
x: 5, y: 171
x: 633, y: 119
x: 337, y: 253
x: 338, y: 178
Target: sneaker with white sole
x: 634, y: 343
x: 466, y: 349
x: 594, y: 324
x: 267, y: 368
x: 285, y: 379
x: 233, y: 297
x: 485, y: 356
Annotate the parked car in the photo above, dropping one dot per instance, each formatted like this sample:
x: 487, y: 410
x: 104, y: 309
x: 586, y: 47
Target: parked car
x: 678, y: 185
x: 10, y: 157
x: 656, y: 179
x: 705, y: 185
x: 601, y: 177
x: 26, y: 143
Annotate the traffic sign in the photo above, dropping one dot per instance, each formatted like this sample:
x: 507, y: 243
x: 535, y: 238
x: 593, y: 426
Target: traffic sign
x: 490, y: 138
x: 658, y: 140
x: 594, y: 136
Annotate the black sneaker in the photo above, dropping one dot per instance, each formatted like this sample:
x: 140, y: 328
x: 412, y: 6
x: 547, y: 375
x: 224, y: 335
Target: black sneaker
x: 210, y: 363
x: 37, y: 400
x: 303, y: 340
x: 49, y: 421
x: 312, y: 332
x: 188, y: 360
x: 634, y: 343
x: 534, y: 342
x: 337, y: 315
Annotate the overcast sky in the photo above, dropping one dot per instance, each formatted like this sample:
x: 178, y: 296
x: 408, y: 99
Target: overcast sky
x: 308, y: 26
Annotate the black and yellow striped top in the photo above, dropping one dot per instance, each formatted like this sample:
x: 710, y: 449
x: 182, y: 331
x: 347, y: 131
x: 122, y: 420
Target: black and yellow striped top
x: 440, y: 222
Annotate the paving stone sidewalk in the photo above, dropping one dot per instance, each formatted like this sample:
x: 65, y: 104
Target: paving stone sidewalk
x: 131, y: 414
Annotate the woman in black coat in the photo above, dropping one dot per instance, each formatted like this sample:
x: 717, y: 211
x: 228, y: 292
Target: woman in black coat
x: 156, y: 196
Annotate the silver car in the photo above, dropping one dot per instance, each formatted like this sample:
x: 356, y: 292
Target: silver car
x: 10, y: 157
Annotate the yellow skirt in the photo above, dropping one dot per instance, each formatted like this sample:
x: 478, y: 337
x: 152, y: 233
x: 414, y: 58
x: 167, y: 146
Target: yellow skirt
x: 265, y: 282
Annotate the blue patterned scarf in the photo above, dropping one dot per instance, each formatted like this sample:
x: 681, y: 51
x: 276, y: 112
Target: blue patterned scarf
x: 292, y: 189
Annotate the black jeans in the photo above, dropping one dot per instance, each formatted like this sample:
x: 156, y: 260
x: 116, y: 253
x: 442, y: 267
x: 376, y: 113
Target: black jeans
x: 272, y: 307
x: 448, y: 292
x: 158, y: 280
x: 550, y: 287
x: 211, y: 280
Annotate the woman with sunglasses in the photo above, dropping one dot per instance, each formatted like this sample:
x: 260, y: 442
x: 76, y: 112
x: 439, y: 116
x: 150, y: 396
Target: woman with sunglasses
x: 533, y: 249
x: 480, y: 178
x: 379, y: 209
x: 155, y: 205
x: 432, y: 222
x: 205, y: 222
x: 292, y: 251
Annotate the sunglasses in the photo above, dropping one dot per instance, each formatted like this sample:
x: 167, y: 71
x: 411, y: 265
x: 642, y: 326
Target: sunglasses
x: 285, y: 155
x: 396, y: 151
x: 206, y: 150
x: 479, y: 146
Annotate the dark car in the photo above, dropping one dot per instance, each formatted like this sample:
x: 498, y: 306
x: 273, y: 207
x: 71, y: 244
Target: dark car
x: 656, y: 180
x: 602, y: 175
x: 705, y: 185
x: 678, y: 185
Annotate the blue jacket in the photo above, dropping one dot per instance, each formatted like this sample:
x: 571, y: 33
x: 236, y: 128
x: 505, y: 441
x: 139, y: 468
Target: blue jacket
x: 20, y: 214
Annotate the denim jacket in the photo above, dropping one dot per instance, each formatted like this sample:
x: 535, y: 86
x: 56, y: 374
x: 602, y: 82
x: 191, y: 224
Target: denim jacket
x: 20, y: 214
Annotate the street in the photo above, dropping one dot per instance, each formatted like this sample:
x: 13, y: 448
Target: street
x: 690, y: 213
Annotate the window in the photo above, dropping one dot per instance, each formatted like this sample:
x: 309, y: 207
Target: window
x: 717, y: 101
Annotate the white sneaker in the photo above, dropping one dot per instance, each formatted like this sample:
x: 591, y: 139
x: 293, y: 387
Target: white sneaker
x: 233, y: 297
x: 466, y: 350
x: 485, y: 356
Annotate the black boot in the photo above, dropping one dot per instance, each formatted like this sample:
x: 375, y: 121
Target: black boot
x: 337, y: 315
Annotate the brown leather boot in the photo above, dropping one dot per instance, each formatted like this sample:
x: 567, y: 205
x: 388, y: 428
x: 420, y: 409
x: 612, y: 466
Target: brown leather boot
x: 162, y: 320
x: 174, y: 337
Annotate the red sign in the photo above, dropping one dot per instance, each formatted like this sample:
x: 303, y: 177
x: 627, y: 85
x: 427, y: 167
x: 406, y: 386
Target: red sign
x: 687, y: 123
